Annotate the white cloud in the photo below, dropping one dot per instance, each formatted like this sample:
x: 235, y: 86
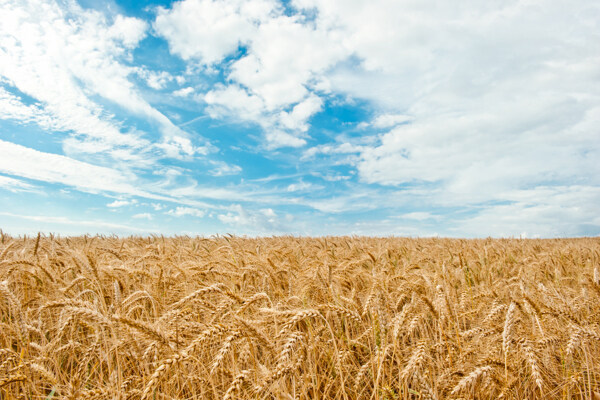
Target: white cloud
x: 47, y: 222
x: 155, y: 79
x: 236, y: 103
x: 343, y: 148
x: 184, y: 92
x: 14, y: 185
x: 234, y: 99
x: 223, y: 169
x: 263, y: 221
x: 121, y: 203
x: 32, y: 164
x: 390, y: 120
x: 350, y: 200
x: 488, y: 110
x: 130, y: 31
x: 302, y: 186
x: 147, y: 216
x: 62, y: 56
x: 455, y: 74
x: 269, y: 213
x: 277, y: 139
x: 11, y: 107
x: 274, y: 84
x: 210, y: 30
x: 283, y: 58
x: 419, y: 216
x: 183, y: 211
x: 483, y: 154
x: 296, y: 120
x: 100, y: 135
x: 334, y: 178
x: 541, y: 212
x: 28, y: 163
x: 157, y: 206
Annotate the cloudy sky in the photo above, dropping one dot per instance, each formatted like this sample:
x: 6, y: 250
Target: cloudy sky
x: 306, y: 117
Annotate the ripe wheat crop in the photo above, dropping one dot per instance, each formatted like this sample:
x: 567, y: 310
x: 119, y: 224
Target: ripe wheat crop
x: 299, y: 318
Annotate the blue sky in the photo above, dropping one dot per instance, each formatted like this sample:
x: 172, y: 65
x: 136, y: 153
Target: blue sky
x: 304, y: 117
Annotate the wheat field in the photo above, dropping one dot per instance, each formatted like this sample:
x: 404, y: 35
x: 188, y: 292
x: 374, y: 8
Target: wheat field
x: 298, y: 318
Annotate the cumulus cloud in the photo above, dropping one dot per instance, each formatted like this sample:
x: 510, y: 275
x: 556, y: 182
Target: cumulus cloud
x: 130, y: 31
x: 275, y: 83
x: 277, y: 139
x: 155, y: 79
x: 474, y: 110
x: 184, y: 92
x: 223, y: 100
x: 296, y: 119
x: 209, y: 30
x: 477, y: 98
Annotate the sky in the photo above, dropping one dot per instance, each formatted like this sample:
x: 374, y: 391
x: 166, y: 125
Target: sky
x: 304, y: 117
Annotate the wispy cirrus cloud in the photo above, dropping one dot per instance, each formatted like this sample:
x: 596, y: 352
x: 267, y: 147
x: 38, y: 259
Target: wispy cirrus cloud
x: 15, y: 185
x: 74, y: 226
x: 62, y: 56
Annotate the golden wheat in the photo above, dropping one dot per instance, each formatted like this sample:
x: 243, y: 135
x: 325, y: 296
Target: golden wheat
x: 298, y: 318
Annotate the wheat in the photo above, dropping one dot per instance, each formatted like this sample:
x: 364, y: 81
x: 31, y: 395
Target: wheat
x: 533, y: 363
x: 12, y: 379
x: 217, y: 287
x: 298, y: 318
x: 227, y: 344
x: 414, y: 363
x: 507, y: 333
x: 143, y: 328
x: 236, y: 385
x: 279, y: 373
x: 471, y: 381
x: 288, y: 346
x: 162, y: 369
x: 255, y: 298
x: 349, y: 314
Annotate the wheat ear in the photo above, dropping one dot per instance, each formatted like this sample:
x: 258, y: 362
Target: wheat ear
x: 236, y: 385
x: 473, y: 379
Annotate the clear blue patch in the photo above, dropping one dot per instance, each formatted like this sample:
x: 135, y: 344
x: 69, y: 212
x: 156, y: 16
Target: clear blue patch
x: 32, y: 136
